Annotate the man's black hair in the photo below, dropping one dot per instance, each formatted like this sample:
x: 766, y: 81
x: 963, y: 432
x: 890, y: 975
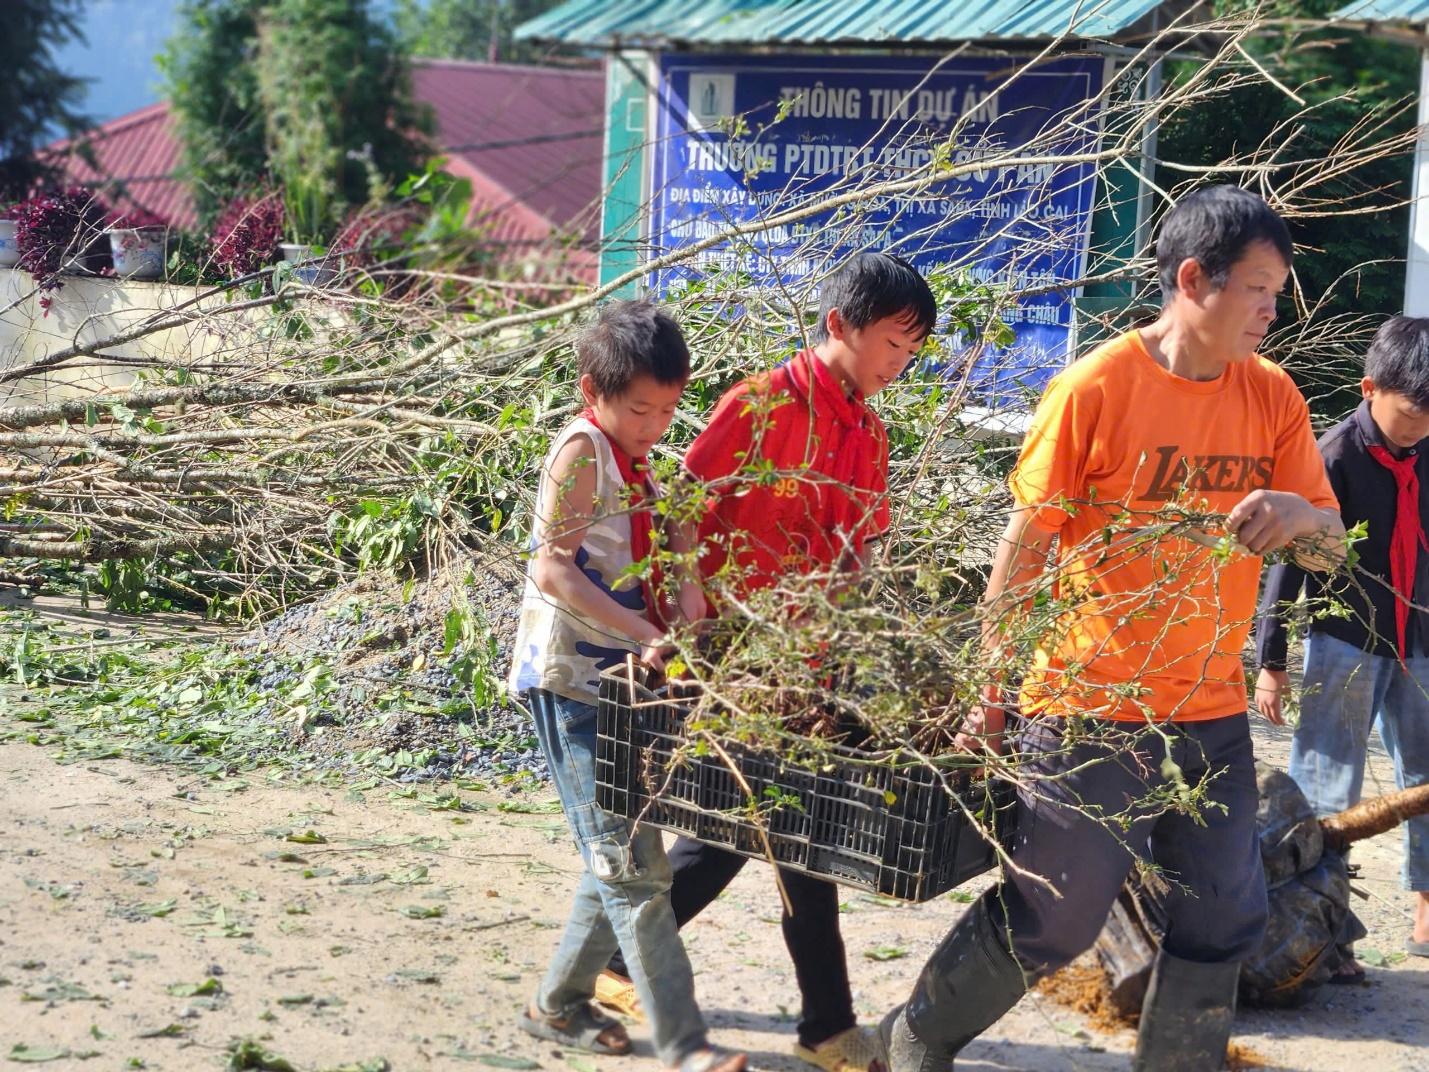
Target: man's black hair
x: 631, y: 339
x: 874, y: 286
x: 1215, y: 226
x: 1398, y: 358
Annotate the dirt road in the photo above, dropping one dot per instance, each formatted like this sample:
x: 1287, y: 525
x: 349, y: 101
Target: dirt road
x: 147, y: 916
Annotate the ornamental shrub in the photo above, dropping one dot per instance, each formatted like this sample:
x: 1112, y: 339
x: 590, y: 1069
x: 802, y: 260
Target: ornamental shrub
x: 247, y: 234
x: 55, y: 230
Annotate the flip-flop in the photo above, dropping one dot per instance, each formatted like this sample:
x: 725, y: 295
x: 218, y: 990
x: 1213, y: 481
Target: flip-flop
x: 713, y: 1059
x: 584, y: 1028
x: 617, y: 994
x: 1417, y: 949
x: 856, y: 1050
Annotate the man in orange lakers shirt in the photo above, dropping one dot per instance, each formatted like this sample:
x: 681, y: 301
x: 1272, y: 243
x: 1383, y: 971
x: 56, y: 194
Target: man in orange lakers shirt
x: 1138, y: 693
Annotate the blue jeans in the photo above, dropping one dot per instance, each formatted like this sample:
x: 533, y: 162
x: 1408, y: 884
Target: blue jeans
x: 623, y: 900
x: 1345, y: 690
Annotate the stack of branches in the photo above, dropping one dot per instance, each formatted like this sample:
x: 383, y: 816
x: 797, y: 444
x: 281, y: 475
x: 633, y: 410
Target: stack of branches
x: 325, y: 432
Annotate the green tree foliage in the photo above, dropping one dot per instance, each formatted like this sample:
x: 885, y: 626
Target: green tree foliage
x: 35, y: 95
x: 315, y: 94
x: 469, y: 29
x: 1339, y: 248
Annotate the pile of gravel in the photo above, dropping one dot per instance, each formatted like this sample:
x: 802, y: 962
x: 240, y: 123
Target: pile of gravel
x: 383, y: 678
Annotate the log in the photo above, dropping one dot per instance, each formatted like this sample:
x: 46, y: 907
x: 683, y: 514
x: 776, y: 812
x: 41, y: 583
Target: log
x: 1374, y: 816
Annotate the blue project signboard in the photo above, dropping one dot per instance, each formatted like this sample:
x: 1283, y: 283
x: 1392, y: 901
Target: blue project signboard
x: 743, y: 138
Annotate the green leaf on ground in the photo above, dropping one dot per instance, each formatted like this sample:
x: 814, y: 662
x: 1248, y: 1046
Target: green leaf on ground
x: 248, y: 1055
x: 416, y: 911
x: 296, y: 999
x: 498, y: 1060
x: 885, y: 952
x: 417, y: 975
x: 35, y: 1054
x: 1376, y: 958
x: 158, y: 909
x: 167, y: 1031
x: 307, y: 837
x: 194, y: 990
x: 882, y: 901
x: 60, y: 990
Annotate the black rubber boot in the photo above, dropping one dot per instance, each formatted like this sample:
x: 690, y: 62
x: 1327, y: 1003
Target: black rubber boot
x: 966, y: 986
x: 1186, y: 1017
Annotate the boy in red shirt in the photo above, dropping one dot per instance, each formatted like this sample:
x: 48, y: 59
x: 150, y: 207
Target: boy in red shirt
x: 807, y: 424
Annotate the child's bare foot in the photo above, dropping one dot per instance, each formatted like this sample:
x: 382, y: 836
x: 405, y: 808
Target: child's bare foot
x: 1419, y: 943
x: 1349, y: 971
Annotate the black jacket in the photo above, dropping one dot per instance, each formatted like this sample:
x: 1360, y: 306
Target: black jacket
x: 1367, y: 492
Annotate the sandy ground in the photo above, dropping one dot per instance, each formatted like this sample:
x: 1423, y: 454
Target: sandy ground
x: 121, y: 882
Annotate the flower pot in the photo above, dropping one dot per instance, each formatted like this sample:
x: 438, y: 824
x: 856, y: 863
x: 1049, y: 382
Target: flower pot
x: 312, y: 270
x: 138, y: 251
x: 9, y: 252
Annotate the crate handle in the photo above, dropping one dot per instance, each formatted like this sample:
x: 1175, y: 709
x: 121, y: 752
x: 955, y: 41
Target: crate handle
x: 635, y: 678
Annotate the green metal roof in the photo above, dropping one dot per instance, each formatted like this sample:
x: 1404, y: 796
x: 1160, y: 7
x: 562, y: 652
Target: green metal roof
x: 664, y: 23
x: 1385, y: 11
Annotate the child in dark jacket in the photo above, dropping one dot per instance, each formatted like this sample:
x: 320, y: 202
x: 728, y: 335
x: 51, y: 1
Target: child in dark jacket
x: 1372, y: 662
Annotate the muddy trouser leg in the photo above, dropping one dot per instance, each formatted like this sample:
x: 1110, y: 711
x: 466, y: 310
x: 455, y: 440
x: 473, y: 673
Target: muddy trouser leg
x: 1025, y: 928
x: 700, y: 874
x: 623, y: 897
x: 1216, y: 906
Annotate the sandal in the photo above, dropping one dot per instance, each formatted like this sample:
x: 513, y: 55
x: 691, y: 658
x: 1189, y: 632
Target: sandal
x: 1417, y: 949
x: 856, y: 1050
x: 585, y: 1028
x: 713, y: 1059
x: 617, y: 993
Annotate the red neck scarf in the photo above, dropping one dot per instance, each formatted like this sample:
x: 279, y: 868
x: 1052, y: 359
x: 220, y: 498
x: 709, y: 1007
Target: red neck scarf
x: 1407, y: 538
x: 639, y: 488
x: 856, y: 461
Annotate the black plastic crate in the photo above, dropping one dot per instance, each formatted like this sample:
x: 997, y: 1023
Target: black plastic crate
x: 892, y: 830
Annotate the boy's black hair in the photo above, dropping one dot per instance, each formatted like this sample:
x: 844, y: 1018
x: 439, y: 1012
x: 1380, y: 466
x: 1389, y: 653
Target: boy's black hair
x: 631, y: 339
x: 874, y: 286
x: 1398, y: 358
x: 1215, y: 225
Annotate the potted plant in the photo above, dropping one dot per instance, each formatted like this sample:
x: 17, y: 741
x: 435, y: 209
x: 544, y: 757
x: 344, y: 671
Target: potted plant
x: 309, y: 202
x: 58, y: 231
x: 9, y: 252
x: 138, y: 242
x: 247, y: 234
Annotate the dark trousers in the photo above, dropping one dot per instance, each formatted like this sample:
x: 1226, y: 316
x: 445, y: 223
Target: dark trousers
x: 701, y: 872
x: 1085, y: 820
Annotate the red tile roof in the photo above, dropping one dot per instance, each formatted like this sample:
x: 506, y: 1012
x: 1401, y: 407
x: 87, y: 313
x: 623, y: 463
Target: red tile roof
x: 528, y: 138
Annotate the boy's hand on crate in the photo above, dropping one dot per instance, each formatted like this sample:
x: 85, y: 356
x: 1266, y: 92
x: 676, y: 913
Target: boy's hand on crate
x: 655, y: 646
x: 983, y: 726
